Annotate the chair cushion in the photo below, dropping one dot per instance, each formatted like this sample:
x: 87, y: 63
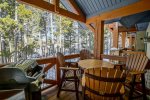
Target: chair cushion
x: 70, y: 73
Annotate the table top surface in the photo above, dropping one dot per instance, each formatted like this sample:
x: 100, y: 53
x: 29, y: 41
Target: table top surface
x: 94, y: 63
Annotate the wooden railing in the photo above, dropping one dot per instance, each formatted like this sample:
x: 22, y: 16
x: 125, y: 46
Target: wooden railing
x: 51, y: 62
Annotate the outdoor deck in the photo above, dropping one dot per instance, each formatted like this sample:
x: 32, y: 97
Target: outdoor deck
x: 49, y: 94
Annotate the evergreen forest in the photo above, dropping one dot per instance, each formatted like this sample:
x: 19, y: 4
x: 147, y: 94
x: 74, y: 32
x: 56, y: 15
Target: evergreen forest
x: 27, y: 32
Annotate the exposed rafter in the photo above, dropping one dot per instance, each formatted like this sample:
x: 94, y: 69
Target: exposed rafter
x: 91, y: 28
x: 75, y: 7
x: 141, y: 6
x: 54, y: 8
x: 124, y: 29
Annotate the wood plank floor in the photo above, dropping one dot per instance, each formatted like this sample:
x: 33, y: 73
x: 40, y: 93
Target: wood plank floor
x: 51, y: 94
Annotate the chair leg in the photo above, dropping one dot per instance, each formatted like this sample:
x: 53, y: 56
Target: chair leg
x: 143, y: 87
x: 76, y: 85
x: 83, y: 93
x: 132, y: 87
x: 61, y: 83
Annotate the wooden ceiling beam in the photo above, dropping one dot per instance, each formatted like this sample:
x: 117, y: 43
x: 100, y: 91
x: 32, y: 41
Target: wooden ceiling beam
x: 91, y: 28
x: 56, y: 3
x: 75, y: 7
x: 54, y: 8
x: 140, y: 6
x: 124, y: 29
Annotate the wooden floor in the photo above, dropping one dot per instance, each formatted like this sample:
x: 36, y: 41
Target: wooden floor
x: 51, y: 94
x: 48, y: 94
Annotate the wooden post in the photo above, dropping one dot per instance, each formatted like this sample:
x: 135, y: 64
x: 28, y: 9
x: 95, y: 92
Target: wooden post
x: 131, y: 41
x: 58, y: 72
x: 99, y: 39
x: 115, y: 36
x: 123, y: 39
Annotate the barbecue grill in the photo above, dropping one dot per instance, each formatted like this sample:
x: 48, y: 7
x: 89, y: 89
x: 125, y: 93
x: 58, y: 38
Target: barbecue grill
x: 24, y: 77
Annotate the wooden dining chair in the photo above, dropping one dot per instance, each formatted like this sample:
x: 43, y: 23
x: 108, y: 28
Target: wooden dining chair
x: 103, y: 84
x: 85, y: 54
x: 68, y: 74
x: 135, y: 66
x: 117, y: 61
x: 126, y: 53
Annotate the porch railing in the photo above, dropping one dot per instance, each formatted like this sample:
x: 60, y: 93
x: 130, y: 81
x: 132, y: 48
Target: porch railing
x: 52, y: 71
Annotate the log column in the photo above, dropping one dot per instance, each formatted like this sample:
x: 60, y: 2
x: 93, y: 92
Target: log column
x: 123, y: 39
x: 98, y: 38
x: 115, y: 36
x: 130, y: 41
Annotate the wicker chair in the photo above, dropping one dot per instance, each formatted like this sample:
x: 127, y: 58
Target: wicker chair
x: 68, y: 74
x: 103, y: 84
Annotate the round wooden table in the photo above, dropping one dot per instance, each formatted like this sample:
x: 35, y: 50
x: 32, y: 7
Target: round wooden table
x: 94, y: 63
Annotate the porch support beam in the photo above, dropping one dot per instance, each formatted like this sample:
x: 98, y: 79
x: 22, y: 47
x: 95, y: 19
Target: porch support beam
x: 115, y: 37
x: 123, y: 39
x: 54, y: 8
x: 141, y: 6
x: 131, y: 41
x: 98, y: 39
x: 115, y: 33
x: 124, y: 29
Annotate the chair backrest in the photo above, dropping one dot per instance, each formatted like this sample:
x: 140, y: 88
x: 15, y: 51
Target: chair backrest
x: 61, y: 59
x: 85, y: 54
x: 103, y: 83
x: 126, y: 53
x: 113, y: 58
x: 136, y: 62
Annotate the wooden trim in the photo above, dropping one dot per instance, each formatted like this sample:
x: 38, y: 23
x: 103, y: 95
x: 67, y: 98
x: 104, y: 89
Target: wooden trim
x: 54, y: 9
x: 141, y: 6
x: 75, y: 7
